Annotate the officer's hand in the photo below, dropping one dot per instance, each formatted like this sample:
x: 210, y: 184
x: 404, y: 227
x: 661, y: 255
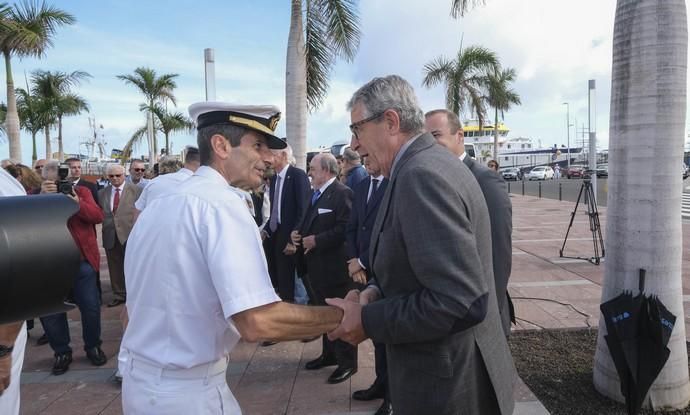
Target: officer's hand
x: 369, y: 295
x: 359, y: 277
x: 264, y: 235
x: 5, y: 372
x: 74, y: 196
x: 290, y: 249
x: 48, y: 186
x: 296, y: 238
x: 309, y: 243
x: 353, y: 266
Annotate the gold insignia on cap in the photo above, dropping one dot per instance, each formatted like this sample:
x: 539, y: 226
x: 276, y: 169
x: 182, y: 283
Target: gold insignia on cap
x: 273, y: 121
x: 250, y: 124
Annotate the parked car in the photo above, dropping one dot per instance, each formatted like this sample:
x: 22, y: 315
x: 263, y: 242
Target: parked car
x: 603, y: 170
x: 511, y: 173
x: 540, y: 173
x: 575, y: 172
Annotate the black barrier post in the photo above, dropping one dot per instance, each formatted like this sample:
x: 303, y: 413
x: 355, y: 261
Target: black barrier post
x: 539, y: 190
x: 523, y: 187
x: 560, y: 191
x: 508, y: 187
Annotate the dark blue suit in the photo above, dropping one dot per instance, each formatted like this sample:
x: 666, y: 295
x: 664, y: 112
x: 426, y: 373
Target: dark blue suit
x: 355, y: 176
x: 358, y: 234
x: 293, y: 205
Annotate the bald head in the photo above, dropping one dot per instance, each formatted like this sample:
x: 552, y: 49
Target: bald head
x: 323, y: 167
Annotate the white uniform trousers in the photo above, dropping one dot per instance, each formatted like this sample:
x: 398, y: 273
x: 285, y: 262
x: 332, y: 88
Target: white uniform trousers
x: 151, y: 390
x: 9, y: 400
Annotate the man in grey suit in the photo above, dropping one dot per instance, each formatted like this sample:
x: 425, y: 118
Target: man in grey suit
x: 445, y: 126
x: 117, y: 202
x: 435, y: 306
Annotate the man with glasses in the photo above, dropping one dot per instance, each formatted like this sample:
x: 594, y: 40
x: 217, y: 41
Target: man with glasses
x: 136, y: 174
x: 38, y: 166
x: 117, y: 201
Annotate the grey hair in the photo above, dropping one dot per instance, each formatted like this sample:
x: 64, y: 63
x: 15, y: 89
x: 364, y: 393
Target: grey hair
x: 329, y: 163
x: 111, y: 167
x: 51, y: 165
x: 287, y: 151
x: 351, y: 155
x: 391, y: 92
x: 169, y: 164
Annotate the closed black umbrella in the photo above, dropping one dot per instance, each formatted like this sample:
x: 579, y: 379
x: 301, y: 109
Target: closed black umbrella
x: 639, y: 329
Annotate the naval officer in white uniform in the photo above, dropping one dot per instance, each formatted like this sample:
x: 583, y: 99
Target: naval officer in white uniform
x: 197, y: 278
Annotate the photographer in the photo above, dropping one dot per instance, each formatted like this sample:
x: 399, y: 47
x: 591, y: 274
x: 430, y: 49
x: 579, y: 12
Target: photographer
x: 85, y: 285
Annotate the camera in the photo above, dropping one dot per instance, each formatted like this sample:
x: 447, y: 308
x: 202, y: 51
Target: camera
x: 64, y: 186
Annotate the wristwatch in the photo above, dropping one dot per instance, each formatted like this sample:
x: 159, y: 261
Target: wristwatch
x: 5, y: 350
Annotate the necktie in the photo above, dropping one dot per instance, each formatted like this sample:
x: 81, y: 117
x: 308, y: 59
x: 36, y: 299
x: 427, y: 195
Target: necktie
x: 315, y: 197
x: 374, y: 186
x: 116, y: 200
x: 273, y: 225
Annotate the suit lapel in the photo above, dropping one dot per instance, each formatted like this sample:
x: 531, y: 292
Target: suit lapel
x: 375, y: 199
x: 314, y: 212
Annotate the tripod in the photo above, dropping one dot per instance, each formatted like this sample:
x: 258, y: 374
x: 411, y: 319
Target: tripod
x: 594, y: 226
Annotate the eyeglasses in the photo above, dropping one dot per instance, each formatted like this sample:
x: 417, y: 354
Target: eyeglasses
x: 355, y: 126
x: 139, y: 170
x: 38, y: 167
x: 114, y: 175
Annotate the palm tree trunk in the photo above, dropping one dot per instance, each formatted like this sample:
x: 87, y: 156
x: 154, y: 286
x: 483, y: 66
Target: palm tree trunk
x: 496, y: 134
x: 61, y: 154
x: 49, y: 150
x: 296, y: 87
x: 34, y: 156
x: 12, y: 118
x: 648, y: 99
x: 167, y: 144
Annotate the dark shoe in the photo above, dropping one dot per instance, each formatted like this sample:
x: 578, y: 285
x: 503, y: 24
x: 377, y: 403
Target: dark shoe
x: 116, y: 302
x: 267, y: 343
x: 310, y: 339
x: 341, y: 374
x: 320, y: 362
x: 42, y: 340
x: 96, y: 356
x: 375, y: 391
x: 61, y: 363
x: 385, y: 409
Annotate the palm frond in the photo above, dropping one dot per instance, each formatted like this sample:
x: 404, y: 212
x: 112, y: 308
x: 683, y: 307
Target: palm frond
x: 33, y: 26
x: 342, y: 26
x: 319, y: 56
x: 460, y: 7
x: 437, y: 71
x: 133, y: 142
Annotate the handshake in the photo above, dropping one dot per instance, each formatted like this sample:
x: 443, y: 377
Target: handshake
x: 351, y: 329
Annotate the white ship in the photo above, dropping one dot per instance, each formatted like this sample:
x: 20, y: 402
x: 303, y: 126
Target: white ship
x: 514, y: 152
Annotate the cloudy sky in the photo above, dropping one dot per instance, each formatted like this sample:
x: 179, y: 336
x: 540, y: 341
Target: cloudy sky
x: 555, y: 46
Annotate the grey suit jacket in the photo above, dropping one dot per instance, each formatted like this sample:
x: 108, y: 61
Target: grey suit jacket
x: 501, y: 215
x: 431, y: 256
x: 120, y: 224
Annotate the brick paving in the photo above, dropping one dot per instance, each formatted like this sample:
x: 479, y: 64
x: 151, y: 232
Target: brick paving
x: 271, y: 380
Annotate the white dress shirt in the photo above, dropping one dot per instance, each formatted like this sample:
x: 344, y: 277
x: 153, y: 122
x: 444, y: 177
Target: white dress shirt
x: 278, y: 192
x: 162, y: 185
x: 112, y: 195
x: 194, y: 259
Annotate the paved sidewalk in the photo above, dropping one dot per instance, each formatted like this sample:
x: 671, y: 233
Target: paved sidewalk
x: 271, y: 380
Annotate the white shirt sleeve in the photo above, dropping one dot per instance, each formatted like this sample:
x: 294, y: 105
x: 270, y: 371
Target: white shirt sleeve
x: 232, y: 246
x: 140, y: 204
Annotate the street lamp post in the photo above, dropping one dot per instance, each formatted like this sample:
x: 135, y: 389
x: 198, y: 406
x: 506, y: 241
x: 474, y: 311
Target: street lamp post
x: 567, y: 126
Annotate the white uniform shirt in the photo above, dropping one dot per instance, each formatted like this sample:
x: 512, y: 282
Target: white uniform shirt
x: 162, y: 185
x: 193, y: 260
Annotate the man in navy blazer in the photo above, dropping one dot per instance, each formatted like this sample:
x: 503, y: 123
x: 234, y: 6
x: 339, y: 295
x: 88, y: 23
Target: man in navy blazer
x: 289, y: 195
x: 365, y: 205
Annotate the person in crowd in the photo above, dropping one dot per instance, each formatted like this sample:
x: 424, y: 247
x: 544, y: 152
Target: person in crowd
x: 38, y: 166
x: 75, y: 176
x: 167, y: 183
x: 117, y: 202
x: 289, y: 195
x: 446, y: 128
x: 367, y: 199
x: 85, y: 289
x: 352, y: 169
x: 136, y: 173
x: 212, y: 284
x: 12, y: 335
x: 434, y: 302
x: 320, y: 236
x: 13, y: 170
x: 7, y: 162
x: 29, y: 179
x: 493, y: 165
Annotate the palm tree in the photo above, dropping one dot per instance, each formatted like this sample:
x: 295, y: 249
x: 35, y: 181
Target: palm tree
x: 34, y: 115
x: 26, y: 29
x: 320, y: 31
x: 460, y: 7
x: 648, y: 82
x: 156, y: 90
x: 165, y: 122
x: 500, y: 97
x: 56, y: 89
x: 465, y: 78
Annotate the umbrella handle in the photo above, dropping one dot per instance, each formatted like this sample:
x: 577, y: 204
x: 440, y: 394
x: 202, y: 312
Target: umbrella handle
x: 641, y: 280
